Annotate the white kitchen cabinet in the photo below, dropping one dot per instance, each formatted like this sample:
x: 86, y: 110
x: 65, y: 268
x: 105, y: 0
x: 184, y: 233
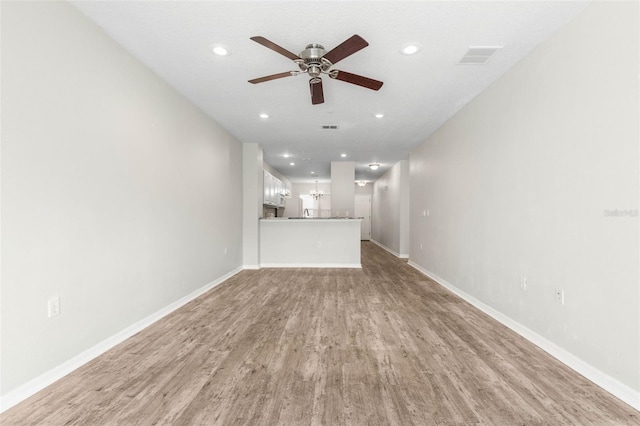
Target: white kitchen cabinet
x: 267, y: 188
x: 279, y: 193
x: 274, y: 191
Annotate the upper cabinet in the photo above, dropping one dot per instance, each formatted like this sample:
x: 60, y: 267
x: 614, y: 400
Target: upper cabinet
x: 274, y: 191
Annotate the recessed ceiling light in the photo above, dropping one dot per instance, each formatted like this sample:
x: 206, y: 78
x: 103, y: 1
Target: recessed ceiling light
x: 313, y: 173
x: 374, y: 166
x: 220, y: 51
x: 263, y: 115
x: 286, y: 155
x: 379, y: 115
x: 343, y: 155
x: 292, y: 164
x: 410, y: 49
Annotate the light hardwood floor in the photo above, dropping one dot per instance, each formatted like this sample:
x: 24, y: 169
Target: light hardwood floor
x: 381, y: 345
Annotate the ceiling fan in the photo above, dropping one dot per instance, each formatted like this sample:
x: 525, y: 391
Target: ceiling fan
x: 314, y: 60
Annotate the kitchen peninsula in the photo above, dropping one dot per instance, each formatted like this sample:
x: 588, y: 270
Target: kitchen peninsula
x: 310, y: 243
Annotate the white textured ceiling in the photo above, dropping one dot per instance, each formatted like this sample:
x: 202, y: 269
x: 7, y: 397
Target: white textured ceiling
x: 420, y: 92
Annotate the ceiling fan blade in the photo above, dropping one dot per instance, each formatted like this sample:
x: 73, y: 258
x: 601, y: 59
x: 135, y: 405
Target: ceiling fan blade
x: 369, y: 83
x: 317, y: 94
x: 271, y: 45
x: 271, y: 77
x: 346, y: 48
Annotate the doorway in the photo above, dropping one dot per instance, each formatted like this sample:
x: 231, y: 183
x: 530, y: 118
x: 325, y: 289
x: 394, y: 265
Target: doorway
x: 363, y: 210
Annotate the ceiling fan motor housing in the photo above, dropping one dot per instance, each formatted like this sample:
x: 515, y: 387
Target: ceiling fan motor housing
x: 313, y: 62
x: 313, y: 52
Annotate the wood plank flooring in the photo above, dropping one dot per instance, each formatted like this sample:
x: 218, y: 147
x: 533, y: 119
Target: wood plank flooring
x: 377, y: 346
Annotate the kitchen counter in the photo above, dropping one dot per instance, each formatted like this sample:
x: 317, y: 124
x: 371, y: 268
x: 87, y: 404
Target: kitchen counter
x: 319, y: 218
x: 330, y: 242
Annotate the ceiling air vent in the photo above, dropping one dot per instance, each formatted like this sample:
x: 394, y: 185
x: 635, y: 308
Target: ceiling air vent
x: 478, y: 55
x: 329, y: 126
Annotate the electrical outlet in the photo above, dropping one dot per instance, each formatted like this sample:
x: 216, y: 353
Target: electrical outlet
x: 523, y: 283
x: 225, y: 251
x: 420, y: 246
x: 53, y: 306
x: 559, y: 296
x: 319, y: 244
x: 424, y: 213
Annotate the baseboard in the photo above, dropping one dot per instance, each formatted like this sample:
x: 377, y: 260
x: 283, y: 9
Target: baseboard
x: 311, y: 265
x: 250, y: 266
x: 33, y: 386
x: 606, y: 382
x: 396, y: 254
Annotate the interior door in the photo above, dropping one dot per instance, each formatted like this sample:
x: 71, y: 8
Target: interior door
x: 363, y: 210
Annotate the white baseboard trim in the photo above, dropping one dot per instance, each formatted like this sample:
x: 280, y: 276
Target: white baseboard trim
x: 312, y: 265
x: 37, y: 384
x: 396, y: 254
x: 608, y: 383
x: 250, y: 266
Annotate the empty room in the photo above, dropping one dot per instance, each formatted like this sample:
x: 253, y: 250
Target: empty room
x: 320, y: 212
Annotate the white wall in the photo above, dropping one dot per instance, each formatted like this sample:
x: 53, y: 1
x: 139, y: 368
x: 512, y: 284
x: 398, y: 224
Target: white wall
x: 343, y: 175
x: 116, y: 191
x: 390, y: 209
x: 519, y: 182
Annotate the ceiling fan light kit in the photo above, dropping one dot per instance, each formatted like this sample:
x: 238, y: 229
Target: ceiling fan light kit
x: 314, y: 61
